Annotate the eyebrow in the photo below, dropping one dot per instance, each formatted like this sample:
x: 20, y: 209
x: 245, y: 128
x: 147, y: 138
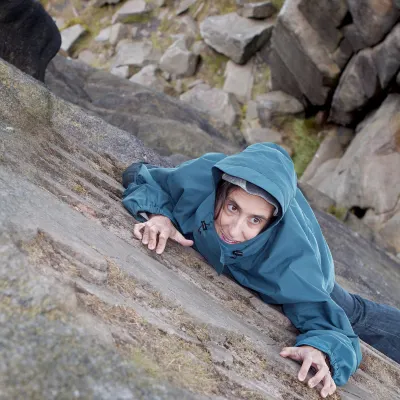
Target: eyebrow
x: 254, y: 215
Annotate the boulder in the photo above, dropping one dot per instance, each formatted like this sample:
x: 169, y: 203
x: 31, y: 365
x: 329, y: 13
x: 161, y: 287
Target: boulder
x: 131, y: 9
x: 87, y: 56
x: 259, y: 135
x: 29, y: 37
x: 367, y: 74
x: 135, y: 54
x: 274, y: 105
x: 260, y: 10
x: 316, y: 199
x: 354, y: 37
x: 325, y: 17
x: 332, y: 147
x: 160, y: 121
x: 122, y: 72
x: 373, y: 19
x: 387, y: 57
x: 215, y: 102
x: 104, y: 35
x: 178, y: 60
x: 367, y: 175
x: 148, y: 77
x: 236, y: 37
x: 70, y: 36
x: 358, y: 84
x: 301, y: 63
x: 107, y: 318
x: 184, y: 6
x: 118, y: 32
x: 239, y: 80
x: 321, y: 175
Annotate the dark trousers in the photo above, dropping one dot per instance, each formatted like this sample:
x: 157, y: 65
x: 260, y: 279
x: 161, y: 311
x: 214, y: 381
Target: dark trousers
x: 376, y: 324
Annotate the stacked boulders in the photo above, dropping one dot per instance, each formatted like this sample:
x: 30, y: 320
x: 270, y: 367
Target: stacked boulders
x: 343, y: 57
x: 135, y: 52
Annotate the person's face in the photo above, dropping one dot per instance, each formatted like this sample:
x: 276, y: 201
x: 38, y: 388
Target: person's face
x: 242, y: 217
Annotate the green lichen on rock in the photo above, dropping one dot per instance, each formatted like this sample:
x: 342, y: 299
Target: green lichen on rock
x: 339, y: 212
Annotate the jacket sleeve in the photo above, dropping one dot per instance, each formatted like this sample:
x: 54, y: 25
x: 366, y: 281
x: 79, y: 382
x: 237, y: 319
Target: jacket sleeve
x: 173, y: 192
x: 325, y: 326
x: 145, y: 194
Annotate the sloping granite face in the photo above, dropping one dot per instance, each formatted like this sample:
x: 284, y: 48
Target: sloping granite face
x: 161, y: 122
x: 112, y: 320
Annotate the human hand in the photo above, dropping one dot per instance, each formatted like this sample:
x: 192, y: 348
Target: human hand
x: 312, y: 357
x: 156, y: 231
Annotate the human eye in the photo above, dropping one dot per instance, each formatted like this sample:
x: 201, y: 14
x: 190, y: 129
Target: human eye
x: 231, y: 207
x: 255, y: 220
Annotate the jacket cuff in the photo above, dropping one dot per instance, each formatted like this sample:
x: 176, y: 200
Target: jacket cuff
x: 334, y: 366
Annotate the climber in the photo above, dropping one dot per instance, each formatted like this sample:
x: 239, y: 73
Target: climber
x: 245, y: 214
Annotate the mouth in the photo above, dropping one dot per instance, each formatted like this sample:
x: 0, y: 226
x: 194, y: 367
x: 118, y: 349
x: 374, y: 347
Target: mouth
x: 227, y: 240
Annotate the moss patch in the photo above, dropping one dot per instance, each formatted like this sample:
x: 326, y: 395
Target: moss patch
x: 339, y: 212
x: 278, y: 4
x: 212, y: 68
x: 304, y: 141
x: 262, y: 77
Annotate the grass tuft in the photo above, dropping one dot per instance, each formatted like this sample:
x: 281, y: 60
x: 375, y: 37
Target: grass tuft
x: 339, y: 212
x: 278, y: 4
x: 304, y: 142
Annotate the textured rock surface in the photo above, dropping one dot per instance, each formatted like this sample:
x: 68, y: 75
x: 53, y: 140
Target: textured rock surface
x: 41, y: 40
x: 70, y: 35
x: 131, y: 8
x: 332, y: 146
x: 148, y: 77
x: 384, y: 15
x: 104, y: 35
x: 258, y: 135
x: 117, y: 32
x: 178, y: 60
x: 76, y: 284
x: 367, y: 175
x: 301, y: 64
x: 161, y: 122
x: 366, y: 75
x: 216, y: 102
x: 135, y: 54
x: 236, y: 37
x: 184, y: 5
x: 273, y: 105
x: 239, y: 80
x: 258, y: 10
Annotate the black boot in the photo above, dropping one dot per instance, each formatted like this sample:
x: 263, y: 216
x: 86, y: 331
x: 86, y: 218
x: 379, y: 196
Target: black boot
x: 29, y: 38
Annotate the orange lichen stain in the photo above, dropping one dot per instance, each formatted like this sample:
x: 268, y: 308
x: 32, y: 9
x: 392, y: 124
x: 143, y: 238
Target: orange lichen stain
x: 382, y: 7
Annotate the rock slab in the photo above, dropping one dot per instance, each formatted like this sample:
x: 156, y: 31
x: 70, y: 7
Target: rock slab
x: 216, y: 102
x: 178, y: 60
x: 260, y: 10
x: 70, y: 35
x: 236, y: 37
x: 131, y: 8
x: 239, y: 80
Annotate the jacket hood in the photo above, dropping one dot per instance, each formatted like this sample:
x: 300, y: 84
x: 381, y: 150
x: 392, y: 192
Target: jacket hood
x: 266, y: 165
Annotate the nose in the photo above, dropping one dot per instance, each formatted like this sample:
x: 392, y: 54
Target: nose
x: 235, y: 229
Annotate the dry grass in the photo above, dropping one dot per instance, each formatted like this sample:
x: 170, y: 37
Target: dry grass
x: 113, y: 314
x: 42, y: 253
x: 120, y: 281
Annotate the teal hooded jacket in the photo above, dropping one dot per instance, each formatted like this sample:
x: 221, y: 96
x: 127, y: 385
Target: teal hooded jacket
x: 289, y: 263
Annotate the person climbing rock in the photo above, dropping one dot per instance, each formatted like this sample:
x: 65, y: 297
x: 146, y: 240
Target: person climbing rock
x: 29, y: 38
x: 245, y: 214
